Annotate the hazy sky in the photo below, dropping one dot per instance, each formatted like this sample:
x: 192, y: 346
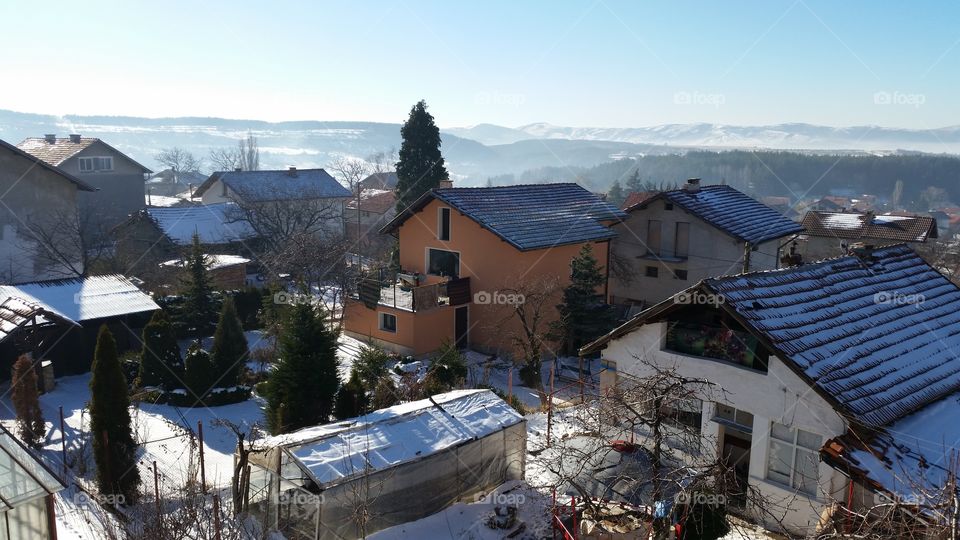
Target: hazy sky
x: 592, y: 63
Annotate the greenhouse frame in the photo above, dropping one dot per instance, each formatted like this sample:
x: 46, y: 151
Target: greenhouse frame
x: 392, y: 466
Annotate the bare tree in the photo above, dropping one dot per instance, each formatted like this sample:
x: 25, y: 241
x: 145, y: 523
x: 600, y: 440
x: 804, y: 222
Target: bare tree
x: 66, y: 244
x: 245, y: 156
x: 179, y: 161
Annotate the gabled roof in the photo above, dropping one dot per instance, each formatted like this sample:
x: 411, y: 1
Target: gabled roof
x: 81, y: 185
x: 527, y: 217
x: 635, y: 198
x: 854, y: 225
x: 62, y: 149
x: 730, y: 211
x: 390, y: 437
x: 375, y: 200
x: 282, y: 185
x: 215, y: 223
x: 81, y: 299
x: 384, y: 180
x: 878, y: 336
x: 16, y: 312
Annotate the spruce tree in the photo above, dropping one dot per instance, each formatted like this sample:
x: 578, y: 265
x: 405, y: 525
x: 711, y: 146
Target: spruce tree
x: 301, y: 389
x: 352, y: 398
x: 371, y: 365
x: 26, y: 402
x: 160, y: 362
x: 421, y: 166
x: 634, y: 183
x: 584, y: 312
x: 229, y: 352
x: 114, y: 448
x: 616, y: 196
x: 200, y: 374
x: 198, y: 313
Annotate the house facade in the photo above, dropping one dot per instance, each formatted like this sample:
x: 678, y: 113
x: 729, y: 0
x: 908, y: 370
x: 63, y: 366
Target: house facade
x: 830, y: 234
x: 818, y: 368
x: 463, y: 251
x: 364, y: 218
x: 673, y: 239
x: 39, y: 238
x: 118, y: 179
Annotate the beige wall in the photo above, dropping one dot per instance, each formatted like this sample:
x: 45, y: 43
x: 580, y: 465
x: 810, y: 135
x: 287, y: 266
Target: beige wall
x: 417, y: 333
x: 711, y: 253
x: 815, y: 248
x: 120, y: 192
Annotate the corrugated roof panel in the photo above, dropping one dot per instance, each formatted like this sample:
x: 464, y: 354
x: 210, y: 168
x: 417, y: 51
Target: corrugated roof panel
x: 82, y: 299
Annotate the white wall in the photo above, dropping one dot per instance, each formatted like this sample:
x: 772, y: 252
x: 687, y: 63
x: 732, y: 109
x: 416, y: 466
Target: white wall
x: 776, y: 396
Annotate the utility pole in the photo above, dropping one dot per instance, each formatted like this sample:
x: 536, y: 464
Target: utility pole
x: 747, y: 248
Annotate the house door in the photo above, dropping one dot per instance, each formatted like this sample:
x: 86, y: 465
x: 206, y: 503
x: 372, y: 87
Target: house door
x: 461, y: 327
x: 736, y: 454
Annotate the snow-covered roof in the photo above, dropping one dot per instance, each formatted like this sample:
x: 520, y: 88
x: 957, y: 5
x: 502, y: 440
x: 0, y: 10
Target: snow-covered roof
x: 82, y: 299
x: 213, y: 261
x: 214, y: 223
x: 282, y: 185
x: 391, y: 436
x: 854, y: 225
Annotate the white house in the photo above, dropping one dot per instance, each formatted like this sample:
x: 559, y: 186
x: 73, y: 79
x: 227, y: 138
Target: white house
x: 836, y: 358
x: 674, y: 239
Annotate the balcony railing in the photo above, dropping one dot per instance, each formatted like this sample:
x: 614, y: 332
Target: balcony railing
x: 397, y: 292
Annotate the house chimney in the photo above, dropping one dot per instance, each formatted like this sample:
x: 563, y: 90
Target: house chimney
x: 292, y: 171
x: 862, y: 251
x: 75, y: 137
x: 447, y: 183
x: 50, y: 138
x: 692, y: 185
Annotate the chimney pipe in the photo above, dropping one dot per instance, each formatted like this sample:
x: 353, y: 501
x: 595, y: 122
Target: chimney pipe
x: 292, y: 171
x: 50, y: 138
x: 692, y: 185
x: 75, y: 137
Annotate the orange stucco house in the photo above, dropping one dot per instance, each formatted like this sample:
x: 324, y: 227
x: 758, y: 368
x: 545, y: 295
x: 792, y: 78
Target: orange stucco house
x: 459, y: 247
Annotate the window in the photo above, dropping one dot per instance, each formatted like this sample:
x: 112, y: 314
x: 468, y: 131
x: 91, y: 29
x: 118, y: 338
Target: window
x: 681, y: 242
x: 668, y: 206
x: 443, y: 263
x: 388, y: 322
x: 653, y: 237
x: 793, y: 458
x: 684, y: 413
x: 94, y: 164
x: 652, y: 271
x: 731, y: 416
x: 716, y: 340
x: 443, y: 224
x: 680, y: 274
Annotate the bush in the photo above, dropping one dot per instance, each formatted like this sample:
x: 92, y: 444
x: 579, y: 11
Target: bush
x: 448, y: 370
x: 351, y: 399
x: 249, y: 303
x: 214, y: 398
x: 371, y: 365
x: 200, y: 375
x: 385, y: 394
x: 26, y: 402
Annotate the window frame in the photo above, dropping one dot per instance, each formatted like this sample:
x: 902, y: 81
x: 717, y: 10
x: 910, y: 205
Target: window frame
x: 797, y: 479
x: 655, y: 270
x: 427, y: 261
x: 676, y: 274
x: 381, y: 317
x: 93, y: 162
x: 443, y: 211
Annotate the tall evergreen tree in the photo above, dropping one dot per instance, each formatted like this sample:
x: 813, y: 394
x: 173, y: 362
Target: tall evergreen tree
x: 584, y: 312
x: 421, y: 166
x: 616, y: 195
x: 301, y: 390
x: 160, y: 362
x: 26, y: 402
x: 114, y: 448
x: 634, y: 183
x: 200, y: 374
x: 198, y: 313
x: 229, y: 351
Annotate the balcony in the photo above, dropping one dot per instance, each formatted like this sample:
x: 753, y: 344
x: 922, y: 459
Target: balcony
x: 399, y: 292
x: 718, y: 342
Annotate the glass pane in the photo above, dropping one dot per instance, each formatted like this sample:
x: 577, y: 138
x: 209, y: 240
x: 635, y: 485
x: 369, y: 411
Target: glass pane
x: 805, y: 477
x: 726, y: 412
x: 444, y: 263
x: 779, y: 465
x: 744, y: 418
x: 781, y: 432
x: 809, y: 440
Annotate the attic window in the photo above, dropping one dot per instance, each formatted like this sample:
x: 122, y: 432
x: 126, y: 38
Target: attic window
x: 668, y: 206
x: 443, y: 224
x: 95, y: 164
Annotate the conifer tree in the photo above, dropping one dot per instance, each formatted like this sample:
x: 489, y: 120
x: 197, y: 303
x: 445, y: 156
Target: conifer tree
x: 302, y: 387
x: 421, y: 166
x: 198, y: 313
x: 352, y: 398
x: 200, y: 373
x: 114, y: 448
x: 26, y: 402
x: 616, y: 196
x: 584, y: 312
x: 229, y: 352
x: 160, y: 362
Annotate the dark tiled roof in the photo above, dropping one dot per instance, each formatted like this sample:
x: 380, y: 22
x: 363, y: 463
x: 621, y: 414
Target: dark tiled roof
x: 81, y: 185
x: 854, y: 225
x: 64, y: 148
x: 281, y: 185
x: 734, y: 213
x: 882, y: 337
x: 530, y: 216
x: 635, y: 198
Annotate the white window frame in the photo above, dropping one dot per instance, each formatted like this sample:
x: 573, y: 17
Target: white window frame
x: 797, y: 451
x: 383, y: 328
x: 92, y: 167
x: 440, y: 223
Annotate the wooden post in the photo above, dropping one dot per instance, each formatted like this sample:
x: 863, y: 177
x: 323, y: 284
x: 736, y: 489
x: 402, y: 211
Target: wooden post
x: 156, y: 496
x: 216, y: 517
x: 550, y: 404
x: 63, y: 445
x: 574, y: 530
x: 203, y: 470
x: 510, y: 384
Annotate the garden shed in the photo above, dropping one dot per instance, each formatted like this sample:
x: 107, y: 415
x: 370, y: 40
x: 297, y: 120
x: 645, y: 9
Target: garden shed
x: 399, y: 464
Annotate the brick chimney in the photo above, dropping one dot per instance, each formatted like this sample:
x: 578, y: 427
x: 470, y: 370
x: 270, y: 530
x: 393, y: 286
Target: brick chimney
x: 447, y: 183
x: 692, y: 185
x: 75, y: 137
x: 50, y: 138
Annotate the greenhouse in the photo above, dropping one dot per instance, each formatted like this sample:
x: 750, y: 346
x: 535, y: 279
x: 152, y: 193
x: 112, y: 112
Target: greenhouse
x: 392, y: 466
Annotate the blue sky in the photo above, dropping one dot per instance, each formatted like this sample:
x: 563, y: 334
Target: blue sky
x: 593, y: 63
